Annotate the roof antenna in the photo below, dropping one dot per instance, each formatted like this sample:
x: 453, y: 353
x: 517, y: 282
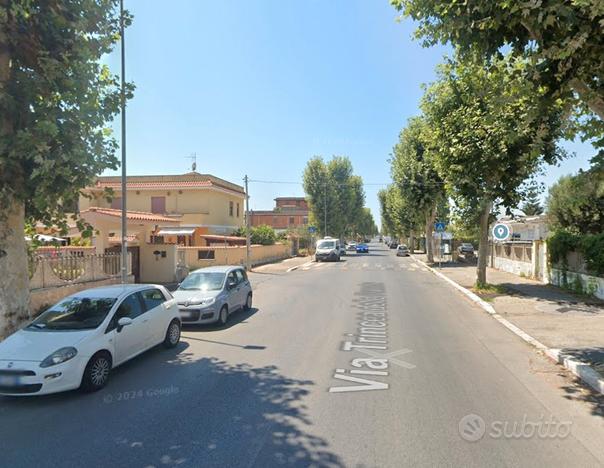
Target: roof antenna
x: 193, y: 157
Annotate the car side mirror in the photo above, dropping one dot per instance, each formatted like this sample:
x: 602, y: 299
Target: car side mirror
x: 123, y: 322
x: 231, y: 284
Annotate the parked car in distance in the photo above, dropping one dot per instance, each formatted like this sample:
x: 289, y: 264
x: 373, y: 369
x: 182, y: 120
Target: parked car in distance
x: 465, y: 248
x: 362, y: 248
x: 352, y: 247
x: 393, y: 245
x: 402, y: 251
x: 210, y: 295
x: 78, y: 341
x: 327, y: 249
x: 342, y: 250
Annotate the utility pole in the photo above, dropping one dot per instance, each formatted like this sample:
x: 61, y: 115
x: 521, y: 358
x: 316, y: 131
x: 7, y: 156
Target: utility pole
x: 325, y: 209
x: 247, y: 224
x: 124, y: 185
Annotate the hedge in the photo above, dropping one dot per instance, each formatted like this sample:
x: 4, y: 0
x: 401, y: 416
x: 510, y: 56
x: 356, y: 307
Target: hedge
x: 591, y: 246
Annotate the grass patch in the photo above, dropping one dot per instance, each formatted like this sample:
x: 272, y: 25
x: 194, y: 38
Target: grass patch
x: 489, y: 289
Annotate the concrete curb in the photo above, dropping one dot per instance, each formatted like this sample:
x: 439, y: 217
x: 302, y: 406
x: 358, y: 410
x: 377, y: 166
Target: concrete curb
x: 579, y: 368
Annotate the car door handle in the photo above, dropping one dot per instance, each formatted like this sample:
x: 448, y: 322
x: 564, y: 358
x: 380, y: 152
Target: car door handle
x: 145, y: 321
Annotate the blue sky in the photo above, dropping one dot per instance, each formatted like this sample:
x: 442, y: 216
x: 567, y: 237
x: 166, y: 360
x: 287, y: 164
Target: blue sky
x: 260, y: 87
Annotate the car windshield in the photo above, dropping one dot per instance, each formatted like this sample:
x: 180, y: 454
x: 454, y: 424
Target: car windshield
x: 203, y: 282
x: 75, y: 313
x: 326, y: 245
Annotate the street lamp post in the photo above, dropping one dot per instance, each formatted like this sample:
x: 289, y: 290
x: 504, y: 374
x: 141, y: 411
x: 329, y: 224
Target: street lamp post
x: 123, y: 111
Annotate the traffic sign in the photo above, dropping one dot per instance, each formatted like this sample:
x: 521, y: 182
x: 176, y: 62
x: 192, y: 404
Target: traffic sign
x: 440, y: 226
x: 312, y: 229
x: 501, y: 232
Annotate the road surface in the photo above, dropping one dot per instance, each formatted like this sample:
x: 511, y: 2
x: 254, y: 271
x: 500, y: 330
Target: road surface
x: 369, y: 362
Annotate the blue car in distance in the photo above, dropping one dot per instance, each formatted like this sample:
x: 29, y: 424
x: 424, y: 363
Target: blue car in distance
x: 362, y: 248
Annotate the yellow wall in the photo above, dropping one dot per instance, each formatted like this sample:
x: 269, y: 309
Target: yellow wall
x: 233, y: 255
x: 199, y: 206
x: 154, y: 268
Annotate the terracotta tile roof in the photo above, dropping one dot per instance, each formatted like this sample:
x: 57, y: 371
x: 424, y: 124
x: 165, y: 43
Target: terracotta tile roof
x: 175, y: 182
x: 133, y: 215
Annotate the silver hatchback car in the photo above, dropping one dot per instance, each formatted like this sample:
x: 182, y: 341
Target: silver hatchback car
x: 211, y: 294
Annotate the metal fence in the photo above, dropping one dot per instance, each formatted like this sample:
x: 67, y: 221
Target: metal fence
x: 70, y: 269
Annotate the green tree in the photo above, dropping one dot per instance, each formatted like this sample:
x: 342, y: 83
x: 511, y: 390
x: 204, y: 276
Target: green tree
x: 398, y: 218
x: 576, y: 203
x: 532, y: 205
x: 489, y: 132
x: 563, y: 39
x: 414, y: 172
x: 335, y: 195
x: 56, y: 101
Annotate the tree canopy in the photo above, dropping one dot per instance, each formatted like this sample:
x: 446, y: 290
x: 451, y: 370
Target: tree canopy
x: 335, y: 195
x: 563, y: 40
x: 489, y: 131
x: 576, y: 202
x: 56, y: 100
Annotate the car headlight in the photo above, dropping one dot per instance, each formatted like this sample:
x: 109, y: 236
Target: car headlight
x: 208, y: 301
x: 59, y: 356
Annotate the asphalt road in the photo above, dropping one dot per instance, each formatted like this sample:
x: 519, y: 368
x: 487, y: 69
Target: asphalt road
x: 438, y: 384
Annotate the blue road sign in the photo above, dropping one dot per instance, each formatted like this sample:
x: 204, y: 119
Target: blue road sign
x: 501, y: 232
x: 312, y: 229
x: 440, y: 226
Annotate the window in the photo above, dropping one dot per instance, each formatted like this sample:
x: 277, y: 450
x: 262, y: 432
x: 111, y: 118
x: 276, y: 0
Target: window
x: 152, y: 298
x: 291, y: 220
x: 232, y: 278
x: 202, y: 282
x: 75, y: 313
x: 230, y: 208
x: 305, y: 220
x: 240, y: 276
x: 130, y: 307
x: 205, y: 254
x: 238, y: 210
x: 157, y: 239
x: 158, y: 205
x: 116, y: 203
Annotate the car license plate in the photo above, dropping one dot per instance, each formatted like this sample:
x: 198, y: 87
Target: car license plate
x: 186, y: 313
x: 9, y: 380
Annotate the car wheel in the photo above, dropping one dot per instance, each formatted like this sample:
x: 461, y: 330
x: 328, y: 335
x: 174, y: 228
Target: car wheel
x: 96, y: 374
x: 223, y: 316
x: 248, y: 302
x: 172, y: 334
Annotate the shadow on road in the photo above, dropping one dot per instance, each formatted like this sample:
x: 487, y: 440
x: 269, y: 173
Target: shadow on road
x: 170, y: 408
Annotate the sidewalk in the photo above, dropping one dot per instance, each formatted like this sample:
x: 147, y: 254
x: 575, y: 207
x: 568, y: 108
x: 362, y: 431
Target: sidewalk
x: 558, y: 319
x: 283, y: 266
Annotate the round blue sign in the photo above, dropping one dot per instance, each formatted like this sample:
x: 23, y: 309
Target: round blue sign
x: 501, y: 232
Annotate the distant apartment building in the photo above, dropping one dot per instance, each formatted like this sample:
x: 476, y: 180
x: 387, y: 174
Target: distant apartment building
x: 289, y: 213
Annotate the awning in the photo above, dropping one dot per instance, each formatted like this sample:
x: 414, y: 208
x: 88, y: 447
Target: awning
x: 175, y: 232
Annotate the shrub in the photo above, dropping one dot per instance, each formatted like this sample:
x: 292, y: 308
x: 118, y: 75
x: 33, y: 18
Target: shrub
x: 592, y: 248
x: 264, y: 235
x: 560, y: 244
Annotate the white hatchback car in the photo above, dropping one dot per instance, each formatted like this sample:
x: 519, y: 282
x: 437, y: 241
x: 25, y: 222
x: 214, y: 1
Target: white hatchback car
x: 76, y: 342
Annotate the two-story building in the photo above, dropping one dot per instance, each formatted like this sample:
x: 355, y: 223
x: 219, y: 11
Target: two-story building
x: 289, y: 213
x: 200, y: 202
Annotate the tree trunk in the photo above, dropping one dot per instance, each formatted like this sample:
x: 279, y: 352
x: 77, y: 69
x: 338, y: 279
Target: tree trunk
x: 429, y: 229
x: 14, y: 273
x: 412, y: 241
x: 483, y: 244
